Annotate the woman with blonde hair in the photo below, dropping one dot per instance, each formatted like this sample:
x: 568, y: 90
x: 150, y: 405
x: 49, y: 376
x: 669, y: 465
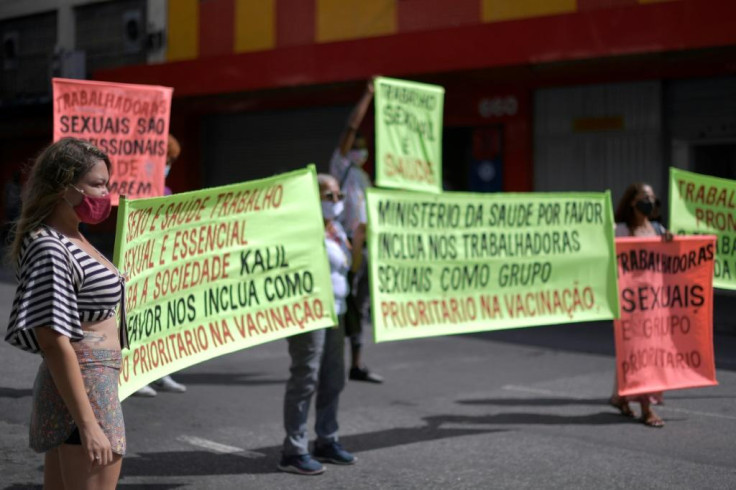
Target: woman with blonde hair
x: 64, y: 309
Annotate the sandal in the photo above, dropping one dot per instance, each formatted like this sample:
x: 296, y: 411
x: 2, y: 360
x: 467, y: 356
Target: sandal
x: 622, y: 406
x: 652, y: 420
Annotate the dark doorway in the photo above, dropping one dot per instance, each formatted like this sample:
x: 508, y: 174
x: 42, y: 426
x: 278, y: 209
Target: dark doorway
x: 472, y: 159
x: 717, y: 159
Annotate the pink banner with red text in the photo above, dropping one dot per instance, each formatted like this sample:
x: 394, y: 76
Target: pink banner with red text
x: 664, y: 337
x: 128, y: 122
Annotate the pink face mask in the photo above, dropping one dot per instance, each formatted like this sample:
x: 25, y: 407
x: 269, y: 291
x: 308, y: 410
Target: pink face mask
x: 93, y: 210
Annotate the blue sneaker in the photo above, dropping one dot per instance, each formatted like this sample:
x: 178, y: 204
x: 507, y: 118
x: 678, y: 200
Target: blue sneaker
x: 301, y: 464
x: 333, y: 453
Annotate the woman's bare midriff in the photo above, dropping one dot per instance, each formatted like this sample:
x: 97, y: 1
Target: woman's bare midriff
x: 102, y: 335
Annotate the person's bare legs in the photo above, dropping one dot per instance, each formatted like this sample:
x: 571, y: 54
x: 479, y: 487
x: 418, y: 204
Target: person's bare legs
x: 78, y: 473
x: 657, y: 398
x: 648, y: 416
x: 619, y: 402
x: 52, y: 471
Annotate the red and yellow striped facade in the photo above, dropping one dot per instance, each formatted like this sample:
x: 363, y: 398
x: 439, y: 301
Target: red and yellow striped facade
x: 223, y: 27
x: 232, y: 46
x: 273, y: 54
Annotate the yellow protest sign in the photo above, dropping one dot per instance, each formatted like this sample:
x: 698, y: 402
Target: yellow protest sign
x: 221, y: 269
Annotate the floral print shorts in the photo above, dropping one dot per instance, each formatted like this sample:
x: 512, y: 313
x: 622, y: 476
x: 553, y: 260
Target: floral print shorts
x: 51, y: 422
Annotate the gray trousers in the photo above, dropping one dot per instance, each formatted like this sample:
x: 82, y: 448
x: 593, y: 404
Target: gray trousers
x: 317, y: 365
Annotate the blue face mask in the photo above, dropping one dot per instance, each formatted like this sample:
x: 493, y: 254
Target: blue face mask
x: 167, y: 169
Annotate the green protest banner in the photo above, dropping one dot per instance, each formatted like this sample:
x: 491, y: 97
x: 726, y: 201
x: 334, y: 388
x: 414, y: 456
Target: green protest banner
x: 221, y: 269
x: 459, y: 262
x: 408, y: 134
x: 704, y: 205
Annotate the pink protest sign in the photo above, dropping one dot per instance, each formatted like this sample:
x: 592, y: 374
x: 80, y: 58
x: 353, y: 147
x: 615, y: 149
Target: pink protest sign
x: 664, y: 338
x: 128, y: 122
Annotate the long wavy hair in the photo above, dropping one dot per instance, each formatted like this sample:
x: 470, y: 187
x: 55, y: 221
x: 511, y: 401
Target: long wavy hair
x: 624, y: 210
x: 58, y: 166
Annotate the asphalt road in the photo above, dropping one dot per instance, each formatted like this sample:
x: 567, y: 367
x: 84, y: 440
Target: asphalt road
x: 513, y: 409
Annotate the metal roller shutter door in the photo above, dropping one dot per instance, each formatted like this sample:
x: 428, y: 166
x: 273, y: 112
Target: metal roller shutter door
x: 246, y: 146
x: 568, y: 158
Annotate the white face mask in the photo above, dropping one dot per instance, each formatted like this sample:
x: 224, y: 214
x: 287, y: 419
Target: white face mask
x: 358, y: 157
x: 167, y: 169
x: 331, y: 210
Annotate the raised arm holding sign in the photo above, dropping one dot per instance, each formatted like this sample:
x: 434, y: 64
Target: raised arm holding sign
x: 346, y: 166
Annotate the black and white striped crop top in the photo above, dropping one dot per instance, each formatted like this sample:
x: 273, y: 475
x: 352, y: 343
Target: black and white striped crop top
x: 60, y: 286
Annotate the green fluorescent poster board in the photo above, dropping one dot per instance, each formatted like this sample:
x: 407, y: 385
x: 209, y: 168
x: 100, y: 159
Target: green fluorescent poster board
x: 408, y: 135
x: 458, y: 262
x: 704, y: 205
x: 221, y: 269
